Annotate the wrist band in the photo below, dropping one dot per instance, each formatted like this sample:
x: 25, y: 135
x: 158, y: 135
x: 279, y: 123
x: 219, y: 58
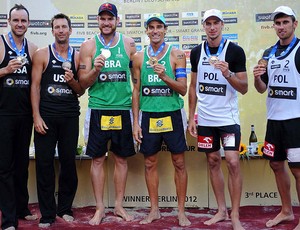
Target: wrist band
x: 230, y: 74
x: 180, y: 72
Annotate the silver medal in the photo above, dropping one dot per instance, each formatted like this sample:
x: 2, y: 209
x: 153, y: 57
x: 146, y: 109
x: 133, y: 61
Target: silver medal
x: 22, y: 59
x: 106, y: 53
x: 66, y: 65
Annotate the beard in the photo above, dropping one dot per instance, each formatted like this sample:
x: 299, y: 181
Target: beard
x: 112, y: 30
x: 18, y: 34
x: 62, y: 41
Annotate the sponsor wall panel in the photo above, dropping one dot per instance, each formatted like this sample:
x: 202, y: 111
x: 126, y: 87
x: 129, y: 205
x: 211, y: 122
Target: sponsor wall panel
x: 247, y: 22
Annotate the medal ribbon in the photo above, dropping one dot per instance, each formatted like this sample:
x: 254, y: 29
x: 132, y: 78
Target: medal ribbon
x: 60, y: 57
x: 106, y: 46
x: 219, y: 49
x: 152, y: 54
x: 274, y: 49
x: 14, y: 46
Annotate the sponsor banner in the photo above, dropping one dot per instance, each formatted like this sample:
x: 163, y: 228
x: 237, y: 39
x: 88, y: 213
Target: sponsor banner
x: 3, y: 16
x: 3, y: 24
x: 171, y: 15
x: 132, y: 16
x: 133, y: 24
x: 264, y: 17
x: 189, y: 22
x: 76, y: 40
x: 75, y: 17
x: 77, y: 25
x: 190, y: 14
x: 40, y: 24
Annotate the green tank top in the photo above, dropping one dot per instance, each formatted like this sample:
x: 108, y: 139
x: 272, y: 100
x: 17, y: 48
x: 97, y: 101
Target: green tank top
x: 112, y: 89
x: 155, y: 94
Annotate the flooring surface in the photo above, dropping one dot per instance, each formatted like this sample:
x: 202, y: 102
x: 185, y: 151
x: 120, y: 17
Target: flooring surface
x: 252, y: 218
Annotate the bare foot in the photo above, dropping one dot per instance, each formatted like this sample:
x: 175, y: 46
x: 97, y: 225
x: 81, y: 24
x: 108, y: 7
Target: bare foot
x: 123, y: 214
x: 217, y: 218
x: 44, y: 225
x: 236, y: 224
x: 298, y: 226
x: 31, y: 217
x: 279, y: 218
x: 68, y: 218
x: 98, y: 216
x: 153, y: 215
x: 183, y: 220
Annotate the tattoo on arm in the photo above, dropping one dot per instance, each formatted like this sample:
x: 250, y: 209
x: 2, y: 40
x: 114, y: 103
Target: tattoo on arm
x: 132, y: 44
x: 134, y: 80
x: 180, y: 56
x: 82, y: 66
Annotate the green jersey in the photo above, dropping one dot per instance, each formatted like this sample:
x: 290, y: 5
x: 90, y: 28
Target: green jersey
x: 155, y: 94
x: 112, y: 89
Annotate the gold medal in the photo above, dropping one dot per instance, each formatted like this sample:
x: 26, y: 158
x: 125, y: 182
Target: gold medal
x: 213, y: 60
x: 263, y: 62
x: 106, y: 53
x: 22, y: 59
x: 66, y: 65
x: 152, y: 61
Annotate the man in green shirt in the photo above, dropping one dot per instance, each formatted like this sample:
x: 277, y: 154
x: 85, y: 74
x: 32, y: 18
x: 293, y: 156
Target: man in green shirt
x: 104, y: 69
x: 159, y: 80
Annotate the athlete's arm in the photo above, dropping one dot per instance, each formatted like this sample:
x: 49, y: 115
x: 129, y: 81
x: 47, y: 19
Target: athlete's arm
x: 130, y: 50
x: 192, y: 104
x: 88, y: 74
x: 13, y: 64
x: 39, y: 61
x: 178, y: 61
x: 137, y: 65
x: 72, y: 82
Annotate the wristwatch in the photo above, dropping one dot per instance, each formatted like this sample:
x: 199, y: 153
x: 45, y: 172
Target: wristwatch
x: 230, y: 74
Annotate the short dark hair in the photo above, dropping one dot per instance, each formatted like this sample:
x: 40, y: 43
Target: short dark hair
x: 59, y: 16
x: 18, y: 7
x: 284, y: 15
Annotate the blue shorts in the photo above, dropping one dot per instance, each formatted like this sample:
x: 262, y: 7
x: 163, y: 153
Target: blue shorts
x: 209, y: 138
x: 175, y: 140
x: 282, y: 141
x: 122, y: 143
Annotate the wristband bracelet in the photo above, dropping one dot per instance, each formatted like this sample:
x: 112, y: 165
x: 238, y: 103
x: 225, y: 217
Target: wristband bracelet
x: 230, y: 74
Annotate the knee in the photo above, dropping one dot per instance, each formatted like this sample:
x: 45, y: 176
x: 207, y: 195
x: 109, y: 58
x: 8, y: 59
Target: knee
x: 296, y: 173
x: 277, y: 165
x: 98, y: 162
x: 120, y: 162
x: 213, y: 162
x: 233, y: 165
x: 179, y: 164
x: 150, y: 163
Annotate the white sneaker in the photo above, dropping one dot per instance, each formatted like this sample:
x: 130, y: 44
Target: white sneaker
x: 10, y: 228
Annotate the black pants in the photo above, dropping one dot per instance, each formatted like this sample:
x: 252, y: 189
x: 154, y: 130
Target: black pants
x: 63, y: 132
x: 15, y: 135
